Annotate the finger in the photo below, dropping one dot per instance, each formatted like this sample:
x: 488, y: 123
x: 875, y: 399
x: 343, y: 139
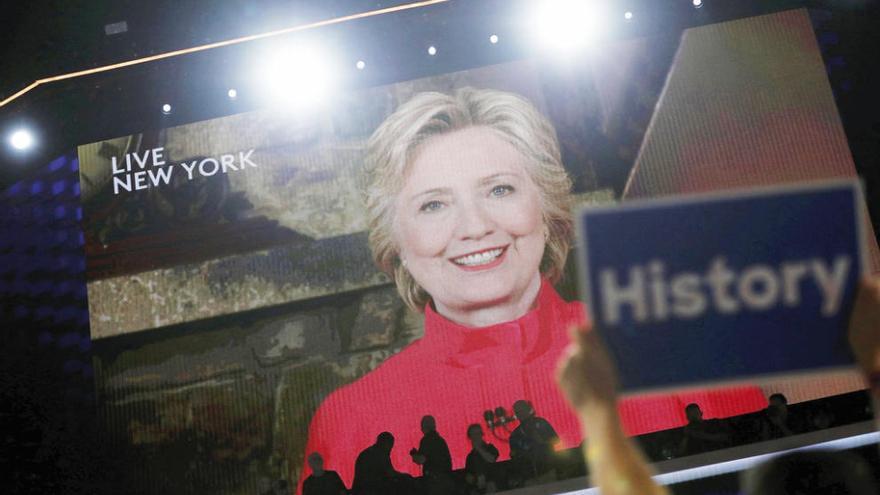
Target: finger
x: 582, y: 335
x: 566, y: 361
x: 873, y: 284
x: 869, y: 287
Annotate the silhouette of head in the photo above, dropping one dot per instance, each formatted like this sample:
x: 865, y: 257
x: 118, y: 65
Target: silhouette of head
x: 811, y: 472
x: 694, y: 413
x: 778, y: 406
x: 475, y: 432
x: 523, y: 409
x: 428, y: 424
x: 316, y: 462
x: 385, y: 441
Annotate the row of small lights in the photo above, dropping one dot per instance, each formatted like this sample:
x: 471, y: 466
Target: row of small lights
x: 23, y: 140
x: 232, y: 94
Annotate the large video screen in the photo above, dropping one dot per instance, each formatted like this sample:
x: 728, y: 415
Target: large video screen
x: 275, y: 283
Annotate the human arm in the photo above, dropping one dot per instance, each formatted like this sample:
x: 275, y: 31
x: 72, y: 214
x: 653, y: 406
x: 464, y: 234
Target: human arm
x: 864, y: 336
x: 703, y: 434
x: 417, y: 457
x: 589, y: 380
x: 543, y: 433
x: 487, y: 451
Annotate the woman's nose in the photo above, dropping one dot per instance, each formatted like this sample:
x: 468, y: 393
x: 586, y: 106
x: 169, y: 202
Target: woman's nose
x: 474, y: 222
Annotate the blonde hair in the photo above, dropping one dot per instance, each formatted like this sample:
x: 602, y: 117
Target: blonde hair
x: 393, y: 145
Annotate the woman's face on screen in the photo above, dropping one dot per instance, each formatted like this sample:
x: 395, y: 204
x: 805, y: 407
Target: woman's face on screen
x: 469, y: 222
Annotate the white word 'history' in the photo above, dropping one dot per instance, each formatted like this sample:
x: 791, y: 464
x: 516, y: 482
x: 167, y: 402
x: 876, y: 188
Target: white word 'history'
x: 652, y: 296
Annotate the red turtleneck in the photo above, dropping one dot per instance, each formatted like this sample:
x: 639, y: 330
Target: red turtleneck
x: 455, y: 373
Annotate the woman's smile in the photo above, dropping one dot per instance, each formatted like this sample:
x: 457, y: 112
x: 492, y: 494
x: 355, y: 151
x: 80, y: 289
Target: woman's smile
x: 481, y: 260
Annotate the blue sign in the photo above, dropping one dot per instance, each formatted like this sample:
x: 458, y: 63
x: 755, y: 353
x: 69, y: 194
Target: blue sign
x: 719, y: 288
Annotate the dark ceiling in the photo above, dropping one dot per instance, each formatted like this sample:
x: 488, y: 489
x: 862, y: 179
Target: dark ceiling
x: 50, y: 37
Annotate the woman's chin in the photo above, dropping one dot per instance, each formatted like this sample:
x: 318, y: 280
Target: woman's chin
x: 479, y: 297
x: 477, y: 291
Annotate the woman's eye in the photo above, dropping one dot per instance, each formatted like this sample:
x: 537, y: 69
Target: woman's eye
x: 502, y: 190
x: 431, y: 206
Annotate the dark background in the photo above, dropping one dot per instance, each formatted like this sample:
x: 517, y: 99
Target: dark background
x: 52, y: 442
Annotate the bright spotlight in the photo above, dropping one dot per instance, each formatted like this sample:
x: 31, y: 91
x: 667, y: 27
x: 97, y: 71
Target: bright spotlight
x: 360, y: 65
x: 493, y: 39
x: 166, y: 109
x: 568, y: 24
x: 698, y: 3
x: 628, y: 15
x: 232, y: 93
x: 21, y: 140
x: 432, y: 50
x: 297, y: 75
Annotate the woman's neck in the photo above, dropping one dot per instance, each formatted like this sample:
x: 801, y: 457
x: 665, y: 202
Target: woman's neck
x: 499, y: 312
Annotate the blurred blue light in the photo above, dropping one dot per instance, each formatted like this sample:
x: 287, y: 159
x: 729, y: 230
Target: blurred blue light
x: 58, y: 187
x: 69, y: 339
x: 40, y: 286
x: 66, y: 313
x: 828, y: 38
x: 57, y: 163
x: 62, y: 288
x: 43, y: 312
x: 37, y: 187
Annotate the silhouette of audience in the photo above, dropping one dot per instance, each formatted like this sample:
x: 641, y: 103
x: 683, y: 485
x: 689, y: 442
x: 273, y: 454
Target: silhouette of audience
x: 481, y: 474
x: 776, y: 421
x: 374, y: 474
x: 532, y: 443
x: 321, y: 481
x: 700, y: 435
x: 433, y: 455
